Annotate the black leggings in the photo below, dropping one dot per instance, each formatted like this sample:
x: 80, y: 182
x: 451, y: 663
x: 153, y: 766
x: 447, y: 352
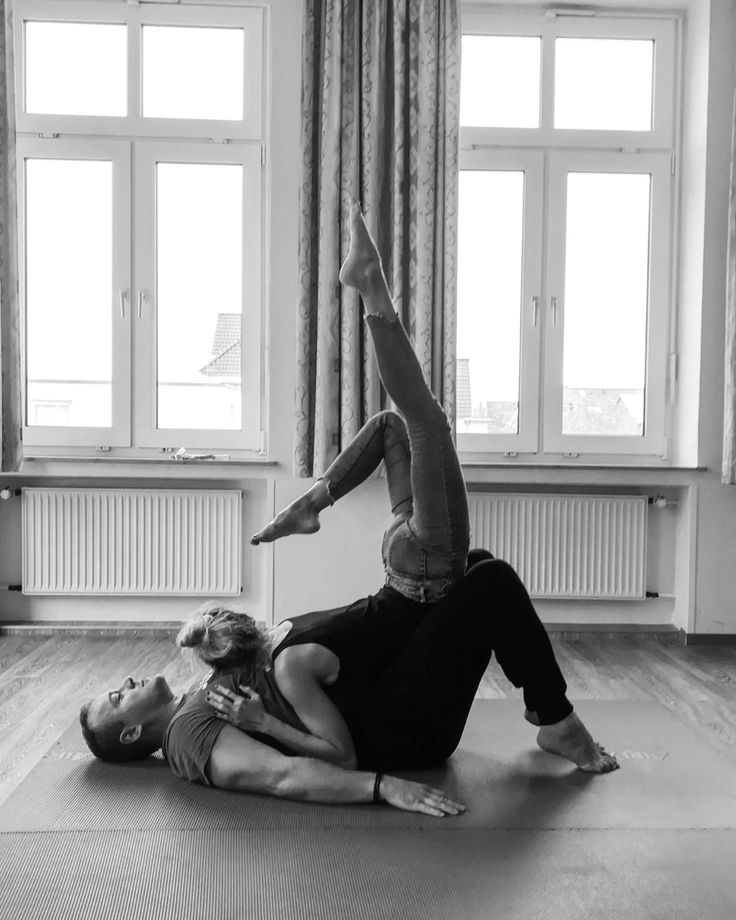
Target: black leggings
x: 414, y: 713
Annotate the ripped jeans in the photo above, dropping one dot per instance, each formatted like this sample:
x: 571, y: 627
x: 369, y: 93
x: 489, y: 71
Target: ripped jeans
x: 425, y: 548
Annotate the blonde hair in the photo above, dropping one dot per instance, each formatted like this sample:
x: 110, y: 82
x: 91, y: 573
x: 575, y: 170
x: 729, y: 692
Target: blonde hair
x: 223, y: 638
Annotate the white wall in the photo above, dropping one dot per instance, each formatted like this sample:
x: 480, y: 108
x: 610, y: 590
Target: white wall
x: 715, y: 589
x: 695, y: 560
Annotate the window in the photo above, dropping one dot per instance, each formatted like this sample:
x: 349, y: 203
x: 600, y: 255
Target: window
x: 565, y: 236
x: 140, y: 147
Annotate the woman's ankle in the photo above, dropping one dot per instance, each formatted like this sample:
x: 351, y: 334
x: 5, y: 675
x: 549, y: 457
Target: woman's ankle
x: 319, y: 496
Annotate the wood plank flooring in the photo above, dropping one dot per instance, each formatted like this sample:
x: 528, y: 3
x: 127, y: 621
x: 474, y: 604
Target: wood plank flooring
x: 45, y: 679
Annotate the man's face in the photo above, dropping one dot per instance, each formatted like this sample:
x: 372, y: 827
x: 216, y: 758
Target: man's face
x: 132, y: 703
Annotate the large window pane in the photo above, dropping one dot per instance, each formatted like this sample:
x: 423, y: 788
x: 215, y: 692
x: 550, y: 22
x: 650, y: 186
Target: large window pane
x: 69, y: 292
x: 499, y: 85
x: 193, y: 72
x: 603, y: 84
x: 489, y: 301
x: 605, y: 310
x: 76, y: 68
x: 199, y: 247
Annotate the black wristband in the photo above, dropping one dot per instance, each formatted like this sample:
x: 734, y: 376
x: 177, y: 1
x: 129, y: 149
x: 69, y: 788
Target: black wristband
x: 376, y: 789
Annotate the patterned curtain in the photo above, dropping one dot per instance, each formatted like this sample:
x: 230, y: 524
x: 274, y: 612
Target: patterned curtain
x: 728, y: 471
x: 380, y: 124
x: 10, y: 343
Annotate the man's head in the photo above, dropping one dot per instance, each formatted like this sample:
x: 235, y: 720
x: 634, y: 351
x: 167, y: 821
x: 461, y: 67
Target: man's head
x: 128, y: 722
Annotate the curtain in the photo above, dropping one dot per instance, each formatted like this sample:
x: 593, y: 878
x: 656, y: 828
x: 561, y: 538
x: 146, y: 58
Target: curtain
x: 728, y: 471
x: 10, y: 337
x: 380, y: 124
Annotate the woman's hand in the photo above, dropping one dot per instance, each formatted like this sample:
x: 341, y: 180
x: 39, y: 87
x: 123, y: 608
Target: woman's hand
x: 410, y: 796
x: 245, y: 712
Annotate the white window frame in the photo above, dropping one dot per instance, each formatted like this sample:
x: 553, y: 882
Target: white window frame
x: 126, y: 139
x: 250, y: 19
x: 657, y: 165
x: 559, y: 25
x: 531, y: 163
x: 118, y: 153
x: 653, y: 151
x: 147, y: 155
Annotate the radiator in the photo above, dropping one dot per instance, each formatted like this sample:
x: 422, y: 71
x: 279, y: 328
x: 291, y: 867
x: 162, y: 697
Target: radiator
x: 566, y: 546
x: 131, y: 541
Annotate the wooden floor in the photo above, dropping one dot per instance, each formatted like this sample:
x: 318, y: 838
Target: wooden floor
x: 45, y: 679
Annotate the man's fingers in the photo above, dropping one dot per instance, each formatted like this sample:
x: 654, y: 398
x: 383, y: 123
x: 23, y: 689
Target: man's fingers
x: 431, y: 810
x: 439, y: 800
x: 441, y: 796
x: 445, y: 807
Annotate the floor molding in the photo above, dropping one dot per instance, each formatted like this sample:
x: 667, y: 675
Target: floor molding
x: 707, y: 638
x: 152, y: 629
x: 169, y: 628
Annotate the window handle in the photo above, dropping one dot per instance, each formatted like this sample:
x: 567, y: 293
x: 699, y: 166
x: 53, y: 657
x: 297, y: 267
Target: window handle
x: 553, y: 304
x: 535, y: 310
x: 142, y: 295
x: 123, y: 298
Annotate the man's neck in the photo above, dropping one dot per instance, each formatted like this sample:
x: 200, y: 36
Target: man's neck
x: 166, y: 713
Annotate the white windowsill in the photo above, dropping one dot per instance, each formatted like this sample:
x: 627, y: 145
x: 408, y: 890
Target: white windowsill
x: 571, y: 467
x: 138, y: 468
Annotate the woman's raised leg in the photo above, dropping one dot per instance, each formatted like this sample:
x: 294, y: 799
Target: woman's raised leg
x: 440, y: 517
x: 383, y: 437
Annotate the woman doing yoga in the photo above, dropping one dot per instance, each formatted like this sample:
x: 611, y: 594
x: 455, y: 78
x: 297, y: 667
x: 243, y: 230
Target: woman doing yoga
x: 387, y: 682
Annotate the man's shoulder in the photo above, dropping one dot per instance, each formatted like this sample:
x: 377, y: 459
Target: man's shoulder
x: 190, y: 736
x: 194, y: 727
x: 193, y: 709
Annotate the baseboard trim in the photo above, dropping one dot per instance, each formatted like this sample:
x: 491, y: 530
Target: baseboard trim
x: 612, y: 630
x: 152, y: 629
x: 169, y: 629
x: 163, y: 629
x: 707, y: 638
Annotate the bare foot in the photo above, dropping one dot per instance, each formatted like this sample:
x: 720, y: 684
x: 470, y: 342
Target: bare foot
x: 572, y: 740
x: 362, y: 267
x: 301, y: 516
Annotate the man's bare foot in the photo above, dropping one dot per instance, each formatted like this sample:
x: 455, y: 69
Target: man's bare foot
x: 301, y: 516
x: 572, y: 740
x: 362, y: 267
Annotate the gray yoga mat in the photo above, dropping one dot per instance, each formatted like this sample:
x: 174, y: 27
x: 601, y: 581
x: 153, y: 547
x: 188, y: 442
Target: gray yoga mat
x: 369, y: 874
x: 670, y: 778
x: 543, y: 841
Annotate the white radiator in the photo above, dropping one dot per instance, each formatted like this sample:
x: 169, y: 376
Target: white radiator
x: 566, y: 546
x: 132, y: 541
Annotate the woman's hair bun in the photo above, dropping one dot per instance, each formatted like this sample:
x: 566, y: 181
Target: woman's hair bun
x: 224, y: 638
x: 194, y: 633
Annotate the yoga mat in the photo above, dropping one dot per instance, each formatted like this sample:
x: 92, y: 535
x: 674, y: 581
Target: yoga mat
x: 669, y: 778
x: 369, y: 874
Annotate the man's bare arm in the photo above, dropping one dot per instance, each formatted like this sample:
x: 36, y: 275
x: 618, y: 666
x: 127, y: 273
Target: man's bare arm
x: 240, y: 763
